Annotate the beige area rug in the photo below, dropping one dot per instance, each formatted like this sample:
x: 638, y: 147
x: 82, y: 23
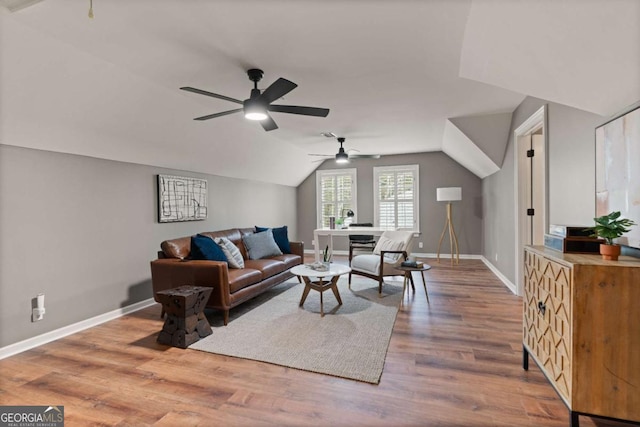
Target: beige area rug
x: 350, y: 341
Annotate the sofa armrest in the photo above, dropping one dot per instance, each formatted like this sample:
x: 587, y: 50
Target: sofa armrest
x: 297, y: 248
x: 172, y: 272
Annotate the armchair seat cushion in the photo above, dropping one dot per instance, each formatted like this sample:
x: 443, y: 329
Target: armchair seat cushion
x: 368, y: 263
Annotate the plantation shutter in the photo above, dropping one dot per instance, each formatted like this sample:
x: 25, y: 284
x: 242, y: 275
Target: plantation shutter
x: 397, y: 197
x: 387, y: 196
x: 336, y: 194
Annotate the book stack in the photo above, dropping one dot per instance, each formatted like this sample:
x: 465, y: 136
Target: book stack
x: 412, y: 264
x: 572, y: 239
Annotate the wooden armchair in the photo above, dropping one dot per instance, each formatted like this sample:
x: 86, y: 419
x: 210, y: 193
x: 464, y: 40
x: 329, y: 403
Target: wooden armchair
x: 392, y: 249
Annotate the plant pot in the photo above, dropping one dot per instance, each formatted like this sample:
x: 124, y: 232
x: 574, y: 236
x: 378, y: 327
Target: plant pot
x: 610, y: 252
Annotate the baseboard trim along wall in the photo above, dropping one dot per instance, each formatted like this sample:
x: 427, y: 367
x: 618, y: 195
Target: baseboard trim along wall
x: 501, y: 276
x: 39, y: 340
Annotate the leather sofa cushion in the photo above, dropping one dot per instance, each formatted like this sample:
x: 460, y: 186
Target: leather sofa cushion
x: 290, y: 260
x: 268, y: 267
x: 243, y: 277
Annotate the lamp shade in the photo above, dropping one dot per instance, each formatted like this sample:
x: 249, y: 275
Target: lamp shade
x: 449, y: 194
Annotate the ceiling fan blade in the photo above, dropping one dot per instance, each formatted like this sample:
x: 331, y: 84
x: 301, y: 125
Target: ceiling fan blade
x: 278, y: 89
x: 215, y: 95
x: 224, y: 113
x: 305, y: 111
x: 328, y: 156
x: 364, y: 156
x: 268, y: 124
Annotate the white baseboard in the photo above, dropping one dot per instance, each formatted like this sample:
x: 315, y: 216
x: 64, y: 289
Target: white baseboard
x: 39, y: 340
x: 443, y: 257
x: 501, y: 276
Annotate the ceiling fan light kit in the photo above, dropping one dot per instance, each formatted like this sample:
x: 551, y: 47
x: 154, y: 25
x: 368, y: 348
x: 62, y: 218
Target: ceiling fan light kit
x: 341, y: 156
x: 254, y: 110
x: 258, y: 105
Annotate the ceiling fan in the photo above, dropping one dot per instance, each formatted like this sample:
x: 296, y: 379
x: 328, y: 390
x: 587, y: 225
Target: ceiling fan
x: 258, y: 105
x: 342, y: 156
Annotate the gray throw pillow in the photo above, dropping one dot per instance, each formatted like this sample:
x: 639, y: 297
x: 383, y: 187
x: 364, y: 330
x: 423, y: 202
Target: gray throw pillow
x: 231, y: 251
x: 261, y: 245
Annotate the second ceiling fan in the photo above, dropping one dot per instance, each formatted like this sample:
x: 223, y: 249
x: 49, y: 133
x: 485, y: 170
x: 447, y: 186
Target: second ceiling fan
x: 258, y: 105
x: 343, y: 156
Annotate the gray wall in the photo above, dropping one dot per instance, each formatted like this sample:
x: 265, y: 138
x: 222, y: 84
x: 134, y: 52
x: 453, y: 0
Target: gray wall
x: 83, y: 231
x: 436, y: 170
x: 571, y: 179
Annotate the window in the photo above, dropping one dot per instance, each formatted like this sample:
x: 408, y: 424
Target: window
x: 335, y: 194
x: 396, y: 197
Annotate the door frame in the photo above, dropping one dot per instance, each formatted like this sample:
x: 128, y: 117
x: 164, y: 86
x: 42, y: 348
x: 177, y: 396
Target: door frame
x: 537, y: 121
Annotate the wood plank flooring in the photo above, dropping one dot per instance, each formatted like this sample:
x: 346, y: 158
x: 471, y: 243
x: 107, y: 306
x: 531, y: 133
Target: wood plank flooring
x: 453, y: 362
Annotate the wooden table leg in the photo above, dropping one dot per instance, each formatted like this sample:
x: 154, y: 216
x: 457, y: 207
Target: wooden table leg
x: 307, y: 288
x: 321, y: 286
x: 321, y: 302
x: 424, y: 283
x: 334, y: 288
x: 404, y: 284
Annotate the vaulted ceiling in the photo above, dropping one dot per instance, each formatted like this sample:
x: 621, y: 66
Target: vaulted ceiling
x: 400, y: 76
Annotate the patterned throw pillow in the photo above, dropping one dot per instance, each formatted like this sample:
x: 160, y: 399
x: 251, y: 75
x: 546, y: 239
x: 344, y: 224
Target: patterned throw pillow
x: 261, y: 245
x: 231, y: 251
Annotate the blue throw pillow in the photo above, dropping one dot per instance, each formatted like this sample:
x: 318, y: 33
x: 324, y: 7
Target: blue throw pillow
x: 204, y: 248
x: 281, y: 237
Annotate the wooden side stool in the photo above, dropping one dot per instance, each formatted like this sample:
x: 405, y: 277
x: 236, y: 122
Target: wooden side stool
x: 186, y: 322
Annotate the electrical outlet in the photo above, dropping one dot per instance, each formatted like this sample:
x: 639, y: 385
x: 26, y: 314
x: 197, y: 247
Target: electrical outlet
x: 496, y: 256
x: 37, y: 312
x: 313, y: 243
x: 420, y: 245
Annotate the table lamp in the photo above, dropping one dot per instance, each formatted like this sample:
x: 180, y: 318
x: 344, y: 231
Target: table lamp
x: 449, y: 194
x: 348, y: 217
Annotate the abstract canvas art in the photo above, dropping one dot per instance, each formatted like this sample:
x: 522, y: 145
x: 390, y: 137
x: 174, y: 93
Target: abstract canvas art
x: 181, y: 198
x: 618, y: 171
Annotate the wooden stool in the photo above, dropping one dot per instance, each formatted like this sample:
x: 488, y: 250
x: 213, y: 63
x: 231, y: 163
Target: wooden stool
x: 186, y: 322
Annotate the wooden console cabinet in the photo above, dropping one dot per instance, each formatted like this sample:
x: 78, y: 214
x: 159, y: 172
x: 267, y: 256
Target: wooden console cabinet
x: 582, y: 328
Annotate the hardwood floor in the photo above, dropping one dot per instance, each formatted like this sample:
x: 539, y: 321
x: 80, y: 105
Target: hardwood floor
x: 453, y: 362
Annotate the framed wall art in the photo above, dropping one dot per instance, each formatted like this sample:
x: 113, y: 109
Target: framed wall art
x: 618, y: 171
x: 181, y: 198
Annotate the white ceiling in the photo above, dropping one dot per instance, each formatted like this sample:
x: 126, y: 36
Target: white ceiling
x: 392, y: 72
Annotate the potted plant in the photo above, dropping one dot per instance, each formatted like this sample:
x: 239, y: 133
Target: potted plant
x: 326, y: 257
x: 610, y: 227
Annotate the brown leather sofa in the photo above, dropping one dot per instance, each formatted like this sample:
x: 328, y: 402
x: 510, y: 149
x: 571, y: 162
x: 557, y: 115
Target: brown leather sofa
x: 231, y: 286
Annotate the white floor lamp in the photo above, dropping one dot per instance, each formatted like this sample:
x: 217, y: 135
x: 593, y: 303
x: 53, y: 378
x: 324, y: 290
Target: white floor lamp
x: 449, y: 194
